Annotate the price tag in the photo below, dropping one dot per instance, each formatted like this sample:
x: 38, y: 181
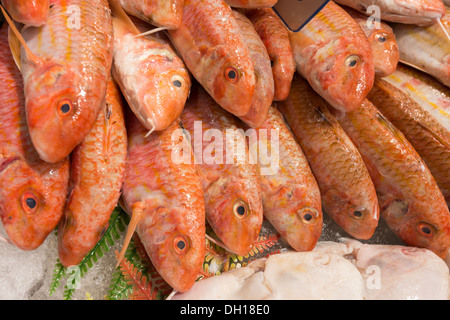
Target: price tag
x: 296, y: 13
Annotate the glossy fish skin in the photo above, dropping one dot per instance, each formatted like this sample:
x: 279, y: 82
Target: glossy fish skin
x: 157, y: 84
x: 291, y: 196
x: 428, y: 137
x: 382, y: 40
x: 264, y: 86
x: 214, y: 51
x: 228, y: 186
x: 251, y: 4
x: 29, y: 12
x: 427, y: 47
x: 161, y: 13
x: 65, y: 86
x: 97, y: 170
x: 170, y: 198
x: 276, y: 39
x: 410, y: 200
x: 348, y: 194
x: 32, y: 192
x: 334, y: 55
x: 419, y: 12
x: 433, y: 96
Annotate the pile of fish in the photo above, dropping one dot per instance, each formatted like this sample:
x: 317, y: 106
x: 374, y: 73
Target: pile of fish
x: 108, y: 103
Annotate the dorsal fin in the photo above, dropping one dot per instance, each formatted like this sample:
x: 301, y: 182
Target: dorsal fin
x: 120, y: 15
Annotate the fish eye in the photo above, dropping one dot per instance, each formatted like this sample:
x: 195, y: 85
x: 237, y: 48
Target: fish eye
x: 308, y: 215
x: 29, y: 202
x: 352, y: 61
x: 231, y: 74
x: 381, y: 37
x: 240, y: 209
x: 180, y: 245
x: 177, y: 81
x: 425, y: 229
x: 64, y: 107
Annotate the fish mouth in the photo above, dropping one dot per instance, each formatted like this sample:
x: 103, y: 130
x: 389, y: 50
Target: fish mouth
x: 7, y: 162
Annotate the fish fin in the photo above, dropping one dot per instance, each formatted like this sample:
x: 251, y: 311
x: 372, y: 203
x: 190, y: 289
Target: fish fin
x: 435, y: 135
x: 15, y: 39
x: 119, y: 13
x: 137, y: 213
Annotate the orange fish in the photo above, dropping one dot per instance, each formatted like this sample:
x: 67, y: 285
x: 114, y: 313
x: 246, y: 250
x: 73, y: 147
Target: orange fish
x: 276, y: 39
x: 213, y: 49
x: 166, y: 203
x: 410, y: 200
x: 231, y: 184
x: 382, y: 40
x: 65, y: 65
x: 264, y: 86
x: 157, y: 84
x: 162, y: 13
x: 334, y: 55
x: 32, y: 191
x: 96, y: 178
x: 29, y: 12
x: 251, y: 3
x: 348, y: 193
x: 290, y: 194
x: 428, y: 137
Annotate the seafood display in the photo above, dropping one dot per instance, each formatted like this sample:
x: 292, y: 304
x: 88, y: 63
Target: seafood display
x: 217, y: 148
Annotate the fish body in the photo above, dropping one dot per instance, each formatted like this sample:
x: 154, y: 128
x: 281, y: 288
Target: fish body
x: 65, y: 80
x: 169, y: 198
x: 29, y: 12
x: 264, y: 85
x: 428, y: 137
x: 275, y: 37
x: 160, y: 13
x: 231, y: 186
x: 348, y: 194
x: 96, y: 178
x: 382, y: 40
x: 290, y: 193
x: 418, y: 12
x: 334, y: 55
x: 433, y: 96
x: 426, y: 48
x: 152, y: 77
x: 32, y: 191
x: 410, y: 200
x: 214, y: 51
x: 251, y: 3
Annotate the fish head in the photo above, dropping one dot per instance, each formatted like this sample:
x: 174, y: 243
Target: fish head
x: 386, y: 53
x: 27, y: 213
x: 237, y: 217
x: 229, y: 79
x: 342, y: 73
x: 423, y: 224
x: 176, y: 247
x: 59, y: 114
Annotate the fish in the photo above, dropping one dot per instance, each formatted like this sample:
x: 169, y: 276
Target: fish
x: 432, y: 95
x: 428, y: 137
x: 348, y: 193
x: 332, y: 52
x: 32, y: 191
x: 290, y: 194
x: 152, y: 77
x: 385, y: 49
x: 264, y: 86
x: 251, y: 3
x: 96, y: 177
x: 231, y: 185
x: 276, y: 39
x: 418, y: 12
x: 29, y: 12
x: 65, y: 65
x: 166, y: 203
x: 161, y: 13
x: 214, y: 51
x: 426, y: 48
x: 411, y: 202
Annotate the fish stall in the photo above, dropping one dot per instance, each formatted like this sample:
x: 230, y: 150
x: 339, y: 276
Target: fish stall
x: 225, y: 150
